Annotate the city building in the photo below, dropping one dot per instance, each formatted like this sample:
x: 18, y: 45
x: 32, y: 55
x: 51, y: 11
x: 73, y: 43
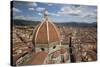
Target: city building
x: 47, y: 44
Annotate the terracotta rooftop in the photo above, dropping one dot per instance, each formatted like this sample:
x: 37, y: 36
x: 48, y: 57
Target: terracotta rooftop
x: 56, y: 54
x: 38, y: 58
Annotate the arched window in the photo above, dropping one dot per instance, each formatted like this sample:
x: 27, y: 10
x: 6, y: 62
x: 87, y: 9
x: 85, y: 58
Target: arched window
x: 42, y: 49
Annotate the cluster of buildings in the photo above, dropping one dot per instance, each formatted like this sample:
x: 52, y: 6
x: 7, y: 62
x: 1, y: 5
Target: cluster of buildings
x: 50, y: 44
x: 83, y: 42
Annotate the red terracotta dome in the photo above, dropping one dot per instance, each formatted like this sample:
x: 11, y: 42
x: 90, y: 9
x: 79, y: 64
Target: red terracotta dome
x: 46, y: 32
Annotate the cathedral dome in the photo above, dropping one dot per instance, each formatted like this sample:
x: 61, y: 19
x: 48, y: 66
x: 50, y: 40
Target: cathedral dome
x: 45, y: 32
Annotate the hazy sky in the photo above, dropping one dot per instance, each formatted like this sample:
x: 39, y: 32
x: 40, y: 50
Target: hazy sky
x: 57, y: 12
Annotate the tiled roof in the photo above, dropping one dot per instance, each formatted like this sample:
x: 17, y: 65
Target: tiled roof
x: 38, y: 58
x: 55, y: 54
x: 58, y: 52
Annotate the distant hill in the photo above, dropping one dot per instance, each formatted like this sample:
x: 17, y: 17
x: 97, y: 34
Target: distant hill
x: 73, y: 24
x: 77, y: 24
x: 24, y: 22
